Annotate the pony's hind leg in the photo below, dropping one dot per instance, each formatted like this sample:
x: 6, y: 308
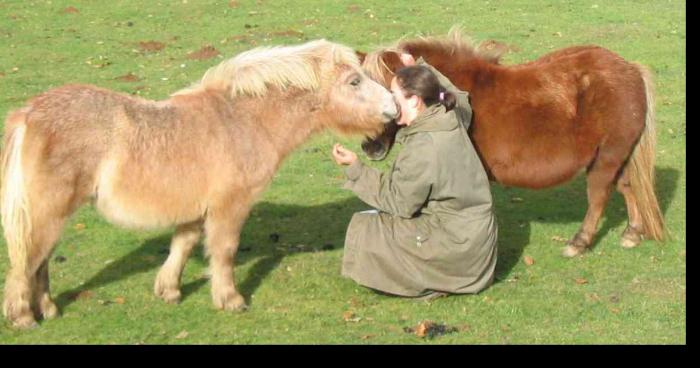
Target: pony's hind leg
x: 632, y: 235
x: 223, y: 228
x: 600, y: 179
x: 27, y: 291
x: 167, y: 285
x: 42, y: 293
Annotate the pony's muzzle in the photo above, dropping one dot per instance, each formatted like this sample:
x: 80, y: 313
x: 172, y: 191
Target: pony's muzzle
x: 390, y: 109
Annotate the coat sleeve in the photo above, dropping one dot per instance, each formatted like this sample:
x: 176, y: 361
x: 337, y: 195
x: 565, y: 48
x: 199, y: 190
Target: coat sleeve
x: 405, y: 189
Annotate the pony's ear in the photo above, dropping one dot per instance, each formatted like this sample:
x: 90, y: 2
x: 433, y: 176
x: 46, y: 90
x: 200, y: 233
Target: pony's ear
x: 361, y: 55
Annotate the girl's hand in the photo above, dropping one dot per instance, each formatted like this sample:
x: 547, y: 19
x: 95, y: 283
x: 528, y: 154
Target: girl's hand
x: 343, y: 156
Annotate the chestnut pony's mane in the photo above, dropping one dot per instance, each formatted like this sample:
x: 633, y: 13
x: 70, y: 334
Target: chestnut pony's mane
x: 456, y: 44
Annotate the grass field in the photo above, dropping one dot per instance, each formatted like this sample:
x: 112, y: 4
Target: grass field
x: 102, y: 276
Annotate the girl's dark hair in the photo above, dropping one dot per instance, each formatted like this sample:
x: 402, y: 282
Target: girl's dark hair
x: 418, y: 80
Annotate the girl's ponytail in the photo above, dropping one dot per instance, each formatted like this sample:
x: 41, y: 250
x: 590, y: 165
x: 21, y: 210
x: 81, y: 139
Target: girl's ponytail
x: 447, y: 99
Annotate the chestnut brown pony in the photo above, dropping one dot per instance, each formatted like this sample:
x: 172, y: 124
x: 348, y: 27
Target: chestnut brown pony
x: 196, y: 161
x: 536, y: 125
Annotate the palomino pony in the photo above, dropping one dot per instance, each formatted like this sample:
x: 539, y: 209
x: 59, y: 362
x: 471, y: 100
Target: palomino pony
x: 538, y: 124
x: 197, y: 160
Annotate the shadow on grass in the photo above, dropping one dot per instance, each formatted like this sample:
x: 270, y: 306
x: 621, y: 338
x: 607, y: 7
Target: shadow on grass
x: 272, y: 232
x: 565, y: 204
x: 275, y: 231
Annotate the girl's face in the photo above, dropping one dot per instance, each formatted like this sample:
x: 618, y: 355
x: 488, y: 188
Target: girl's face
x: 410, y: 107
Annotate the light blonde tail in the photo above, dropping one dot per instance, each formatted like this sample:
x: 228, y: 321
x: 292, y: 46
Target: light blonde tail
x: 14, y: 209
x: 642, y: 170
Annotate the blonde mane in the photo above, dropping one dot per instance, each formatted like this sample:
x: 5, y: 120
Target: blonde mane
x: 252, y: 72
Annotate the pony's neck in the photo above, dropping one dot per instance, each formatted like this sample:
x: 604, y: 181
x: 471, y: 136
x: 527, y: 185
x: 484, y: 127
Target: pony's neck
x: 470, y: 75
x: 288, y: 117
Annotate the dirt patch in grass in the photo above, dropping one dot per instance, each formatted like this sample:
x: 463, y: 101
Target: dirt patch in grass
x: 71, y: 10
x: 151, y: 46
x: 129, y: 77
x: 206, y: 52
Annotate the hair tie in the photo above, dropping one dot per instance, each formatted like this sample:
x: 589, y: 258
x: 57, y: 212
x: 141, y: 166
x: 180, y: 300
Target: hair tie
x: 442, y: 96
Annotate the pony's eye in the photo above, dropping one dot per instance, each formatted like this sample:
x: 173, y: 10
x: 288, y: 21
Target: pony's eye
x: 355, y: 82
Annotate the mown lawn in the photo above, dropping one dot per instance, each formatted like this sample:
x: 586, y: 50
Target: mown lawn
x: 102, y: 276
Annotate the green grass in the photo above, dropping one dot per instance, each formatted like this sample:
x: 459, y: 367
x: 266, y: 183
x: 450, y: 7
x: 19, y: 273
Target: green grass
x: 294, y: 286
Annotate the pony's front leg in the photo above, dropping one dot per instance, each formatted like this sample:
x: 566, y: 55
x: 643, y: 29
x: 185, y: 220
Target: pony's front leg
x: 167, y: 285
x: 223, y: 229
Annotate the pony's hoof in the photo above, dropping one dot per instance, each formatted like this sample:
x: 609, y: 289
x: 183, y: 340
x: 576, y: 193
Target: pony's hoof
x: 628, y: 243
x: 24, y: 322
x: 572, y: 251
x: 630, y: 238
x: 171, y: 296
x: 231, y: 302
x: 49, y: 310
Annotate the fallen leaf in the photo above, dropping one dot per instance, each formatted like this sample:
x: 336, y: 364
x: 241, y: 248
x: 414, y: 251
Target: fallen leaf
x: 79, y: 226
x: 581, y: 281
x: 71, y: 10
x: 182, y: 335
x: 119, y: 300
x: 206, y: 52
x: 528, y: 260
x: 350, y: 316
x: 615, y: 310
x: 354, y: 8
x: 365, y: 337
x: 423, y: 327
x: 430, y: 329
x: 233, y: 4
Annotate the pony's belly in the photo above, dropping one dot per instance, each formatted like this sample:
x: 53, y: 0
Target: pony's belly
x: 144, y: 203
x: 141, y: 214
